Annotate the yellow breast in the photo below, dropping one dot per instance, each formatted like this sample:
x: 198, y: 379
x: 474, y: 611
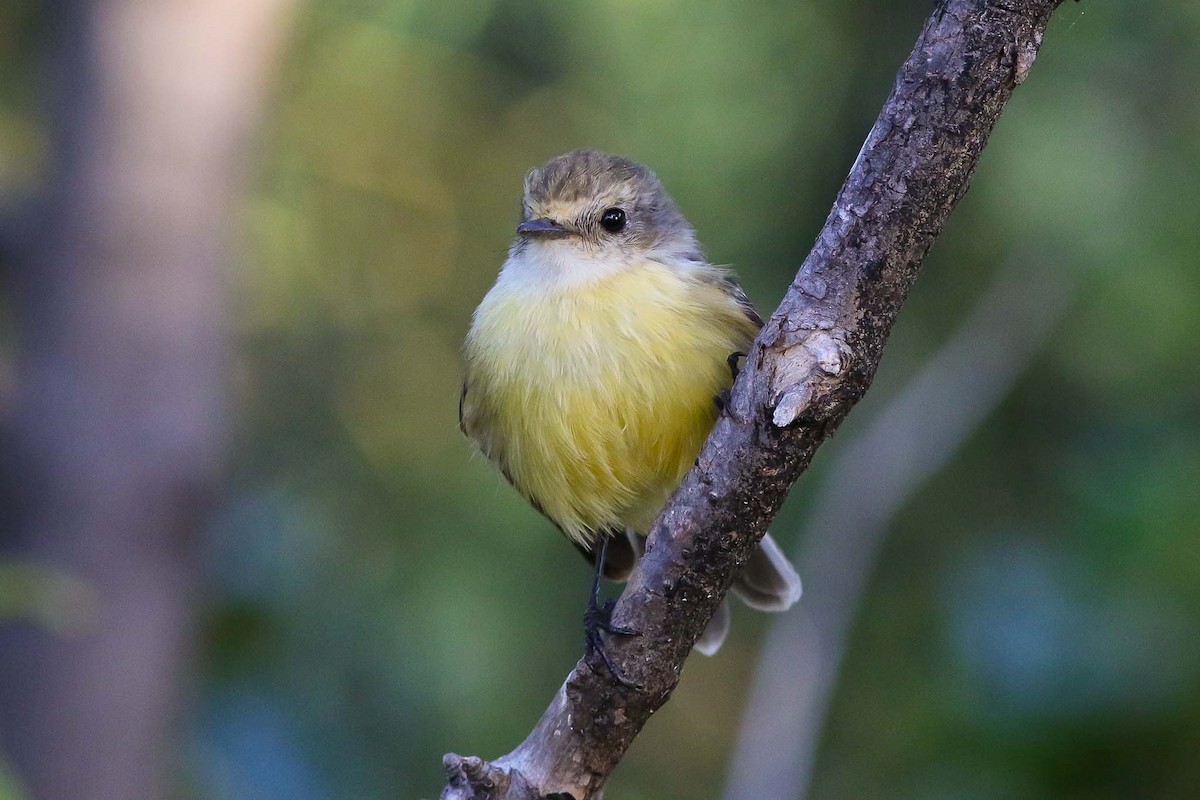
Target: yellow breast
x: 595, y: 399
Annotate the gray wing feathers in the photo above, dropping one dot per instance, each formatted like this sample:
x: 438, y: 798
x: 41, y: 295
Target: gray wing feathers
x: 727, y: 284
x: 743, y: 302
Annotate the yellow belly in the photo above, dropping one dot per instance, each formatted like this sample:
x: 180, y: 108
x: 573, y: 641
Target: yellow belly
x: 595, y: 400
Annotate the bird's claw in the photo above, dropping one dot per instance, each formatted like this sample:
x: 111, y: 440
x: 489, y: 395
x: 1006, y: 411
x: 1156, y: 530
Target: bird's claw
x: 732, y: 361
x: 598, y: 620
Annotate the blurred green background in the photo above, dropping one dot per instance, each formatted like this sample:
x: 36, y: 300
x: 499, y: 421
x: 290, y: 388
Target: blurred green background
x: 379, y: 596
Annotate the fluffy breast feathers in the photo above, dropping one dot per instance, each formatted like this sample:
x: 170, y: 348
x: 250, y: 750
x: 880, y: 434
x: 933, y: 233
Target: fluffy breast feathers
x: 594, y: 397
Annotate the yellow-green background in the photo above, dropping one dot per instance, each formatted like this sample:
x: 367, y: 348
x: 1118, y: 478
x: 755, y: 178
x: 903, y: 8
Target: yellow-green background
x: 379, y: 596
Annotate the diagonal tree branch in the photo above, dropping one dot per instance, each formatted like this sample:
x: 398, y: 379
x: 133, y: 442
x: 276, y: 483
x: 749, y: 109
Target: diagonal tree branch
x: 813, y: 360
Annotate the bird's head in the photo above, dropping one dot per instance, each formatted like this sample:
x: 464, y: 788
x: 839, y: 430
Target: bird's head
x: 605, y: 207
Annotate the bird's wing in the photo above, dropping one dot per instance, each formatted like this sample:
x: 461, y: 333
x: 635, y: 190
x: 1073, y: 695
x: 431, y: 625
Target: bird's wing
x: 739, y: 296
x: 725, y: 281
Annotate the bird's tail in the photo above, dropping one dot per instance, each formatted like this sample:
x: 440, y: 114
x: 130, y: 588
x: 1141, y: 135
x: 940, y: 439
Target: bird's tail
x: 768, y: 582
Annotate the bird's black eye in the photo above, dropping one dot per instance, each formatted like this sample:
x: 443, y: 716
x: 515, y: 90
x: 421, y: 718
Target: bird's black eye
x: 613, y: 220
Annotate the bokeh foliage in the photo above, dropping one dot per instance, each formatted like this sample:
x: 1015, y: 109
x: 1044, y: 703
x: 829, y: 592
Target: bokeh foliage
x: 379, y: 596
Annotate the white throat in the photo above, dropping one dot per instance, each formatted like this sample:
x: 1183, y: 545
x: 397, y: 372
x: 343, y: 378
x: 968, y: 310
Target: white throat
x: 560, y: 263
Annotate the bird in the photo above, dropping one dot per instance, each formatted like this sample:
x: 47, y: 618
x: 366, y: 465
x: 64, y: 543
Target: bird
x: 594, y: 369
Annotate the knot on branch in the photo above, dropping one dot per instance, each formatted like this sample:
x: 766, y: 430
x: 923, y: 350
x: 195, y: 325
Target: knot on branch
x: 1024, y: 58
x: 808, y: 358
x: 1028, y: 40
x: 472, y: 778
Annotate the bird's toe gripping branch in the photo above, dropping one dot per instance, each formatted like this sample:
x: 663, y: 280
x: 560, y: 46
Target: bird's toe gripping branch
x: 598, y: 620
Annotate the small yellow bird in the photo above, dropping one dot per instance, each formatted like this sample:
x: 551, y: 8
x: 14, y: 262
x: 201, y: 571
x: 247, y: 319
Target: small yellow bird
x: 593, y: 363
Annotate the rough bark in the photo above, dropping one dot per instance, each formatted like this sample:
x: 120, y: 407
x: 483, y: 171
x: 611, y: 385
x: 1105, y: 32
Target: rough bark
x: 813, y: 361
x: 118, y: 415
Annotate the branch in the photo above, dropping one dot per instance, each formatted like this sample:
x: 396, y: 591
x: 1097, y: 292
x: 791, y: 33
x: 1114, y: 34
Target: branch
x: 813, y: 360
x: 871, y: 479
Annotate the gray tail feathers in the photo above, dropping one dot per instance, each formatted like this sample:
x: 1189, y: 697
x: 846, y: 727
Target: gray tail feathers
x: 714, y: 635
x: 768, y: 581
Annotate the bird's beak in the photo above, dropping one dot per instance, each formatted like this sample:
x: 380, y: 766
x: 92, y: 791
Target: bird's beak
x: 541, y: 227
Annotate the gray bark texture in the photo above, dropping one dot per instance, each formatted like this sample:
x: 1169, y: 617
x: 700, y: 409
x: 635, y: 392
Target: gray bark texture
x: 111, y: 448
x: 813, y: 360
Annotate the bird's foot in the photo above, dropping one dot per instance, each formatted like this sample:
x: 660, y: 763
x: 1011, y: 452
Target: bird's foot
x: 721, y: 399
x: 598, y: 620
x: 732, y: 361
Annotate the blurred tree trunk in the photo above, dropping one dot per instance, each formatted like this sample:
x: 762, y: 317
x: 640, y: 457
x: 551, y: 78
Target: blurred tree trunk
x: 120, y: 414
